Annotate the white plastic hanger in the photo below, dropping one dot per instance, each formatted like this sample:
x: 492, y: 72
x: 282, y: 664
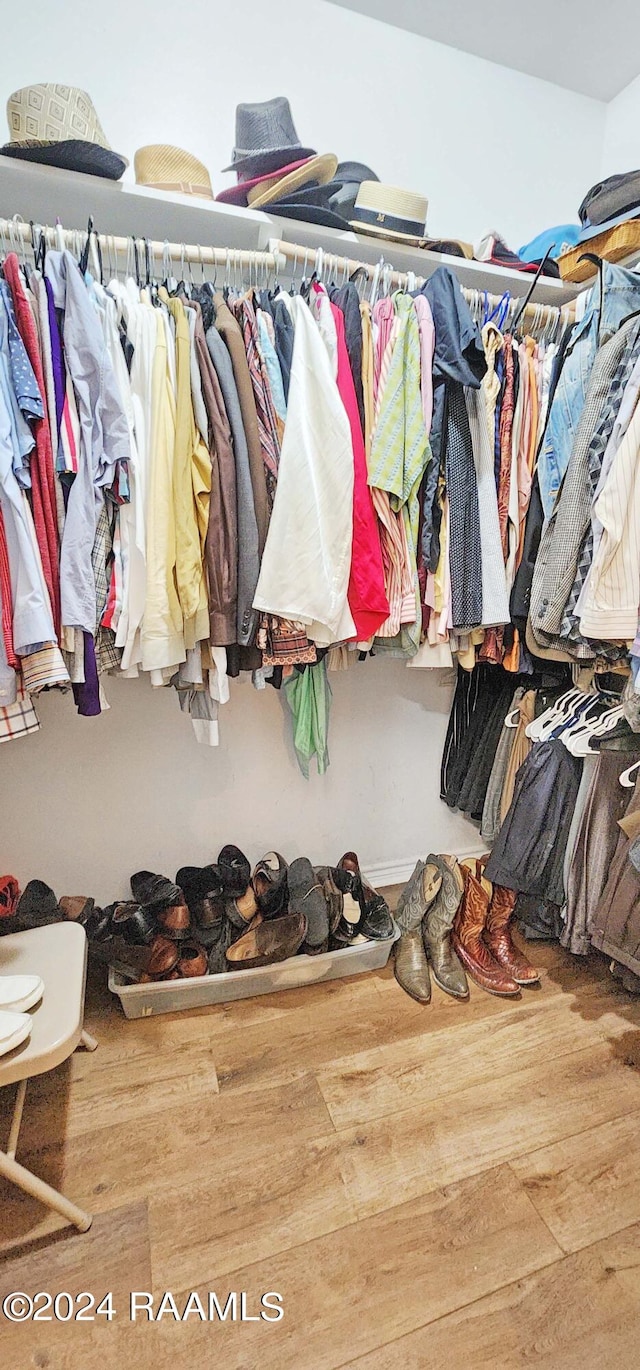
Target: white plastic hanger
x: 577, y: 740
x: 546, y: 722
x: 626, y: 777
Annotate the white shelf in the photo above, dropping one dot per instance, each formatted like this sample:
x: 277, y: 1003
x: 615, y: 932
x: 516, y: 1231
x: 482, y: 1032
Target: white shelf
x: 45, y: 193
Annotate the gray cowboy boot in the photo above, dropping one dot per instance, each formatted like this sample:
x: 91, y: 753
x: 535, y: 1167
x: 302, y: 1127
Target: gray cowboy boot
x: 419, y: 892
x: 448, y: 972
x: 411, y: 966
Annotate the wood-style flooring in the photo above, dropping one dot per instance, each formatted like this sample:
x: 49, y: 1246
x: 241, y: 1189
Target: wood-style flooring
x: 447, y: 1186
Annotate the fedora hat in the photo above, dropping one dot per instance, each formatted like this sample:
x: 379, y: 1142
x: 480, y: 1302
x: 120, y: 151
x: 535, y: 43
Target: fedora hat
x: 346, y: 184
x: 171, y: 168
x: 388, y: 212
x: 312, y: 205
x: 237, y: 195
x: 58, y: 125
x: 316, y: 171
x: 266, y: 139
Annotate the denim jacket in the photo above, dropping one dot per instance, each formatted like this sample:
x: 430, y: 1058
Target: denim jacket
x: 613, y: 298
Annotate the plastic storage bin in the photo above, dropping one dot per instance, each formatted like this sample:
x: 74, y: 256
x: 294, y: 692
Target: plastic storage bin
x: 170, y: 996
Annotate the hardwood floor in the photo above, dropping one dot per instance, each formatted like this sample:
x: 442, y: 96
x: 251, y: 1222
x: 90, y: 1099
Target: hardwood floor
x: 457, y: 1184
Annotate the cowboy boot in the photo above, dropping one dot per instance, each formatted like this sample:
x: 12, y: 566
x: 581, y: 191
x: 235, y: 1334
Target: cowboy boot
x: 467, y: 940
x: 436, y: 928
x: 497, y: 936
x: 411, y: 966
x: 417, y: 896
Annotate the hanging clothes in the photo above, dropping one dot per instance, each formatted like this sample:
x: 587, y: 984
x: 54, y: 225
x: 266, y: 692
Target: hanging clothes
x: 307, y: 558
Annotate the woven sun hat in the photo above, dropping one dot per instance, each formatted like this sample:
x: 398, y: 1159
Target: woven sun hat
x: 58, y: 126
x: 317, y: 171
x: 388, y: 212
x: 266, y: 138
x: 237, y: 195
x: 163, y: 167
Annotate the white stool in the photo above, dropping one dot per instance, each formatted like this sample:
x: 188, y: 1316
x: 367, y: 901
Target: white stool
x: 58, y: 954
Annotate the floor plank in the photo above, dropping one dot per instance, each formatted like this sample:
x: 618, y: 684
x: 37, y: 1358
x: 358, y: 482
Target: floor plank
x: 241, y: 1213
x: 450, y: 1137
x: 574, y: 1315
x: 370, y: 1084
x: 346, y: 1292
x: 586, y: 1187
x: 408, y: 1177
x: 74, y: 1262
x: 114, y: 1165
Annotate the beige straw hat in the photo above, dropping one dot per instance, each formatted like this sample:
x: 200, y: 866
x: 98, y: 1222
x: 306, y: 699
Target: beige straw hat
x: 163, y: 167
x: 320, y: 170
x: 388, y: 212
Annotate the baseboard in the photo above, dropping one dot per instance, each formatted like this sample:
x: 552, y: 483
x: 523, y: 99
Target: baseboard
x: 384, y: 873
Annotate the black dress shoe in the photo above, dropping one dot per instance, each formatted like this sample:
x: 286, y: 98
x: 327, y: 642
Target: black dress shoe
x: 135, y: 924
x: 306, y: 896
x: 270, y: 884
x: 154, y: 891
x: 235, y: 871
x: 37, y: 906
x: 377, y: 922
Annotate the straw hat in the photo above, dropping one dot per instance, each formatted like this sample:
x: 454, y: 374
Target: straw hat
x: 58, y: 126
x: 388, y: 212
x: 278, y: 187
x: 171, y: 168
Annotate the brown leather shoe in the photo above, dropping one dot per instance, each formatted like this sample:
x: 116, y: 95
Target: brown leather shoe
x: 267, y: 941
x: 164, y: 957
x: 497, y: 935
x: 175, y: 921
x: 468, y: 942
x: 242, y: 909
x: 76, y: 907
x: 411, y: 966
x: 193, y: 960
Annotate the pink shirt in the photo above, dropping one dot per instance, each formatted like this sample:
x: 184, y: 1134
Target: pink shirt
x: 366, y: 594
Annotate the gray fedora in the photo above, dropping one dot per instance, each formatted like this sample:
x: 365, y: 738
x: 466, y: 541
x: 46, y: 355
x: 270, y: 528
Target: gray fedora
x: 266, y: 138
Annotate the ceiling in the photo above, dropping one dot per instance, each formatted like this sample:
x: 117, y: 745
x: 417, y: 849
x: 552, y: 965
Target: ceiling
x: 579, y: 44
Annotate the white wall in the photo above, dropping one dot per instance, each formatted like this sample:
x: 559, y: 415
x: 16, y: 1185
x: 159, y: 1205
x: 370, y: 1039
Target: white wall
x: 621, y: 148
x: 88, y: 801
x: 490, y: 147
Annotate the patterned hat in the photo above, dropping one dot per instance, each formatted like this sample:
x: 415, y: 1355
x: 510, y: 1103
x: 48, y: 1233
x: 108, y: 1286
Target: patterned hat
x: 58, y: 125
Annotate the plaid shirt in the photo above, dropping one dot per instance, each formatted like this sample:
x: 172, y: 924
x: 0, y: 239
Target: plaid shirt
x: 19, y: 719
x: 559, y: 553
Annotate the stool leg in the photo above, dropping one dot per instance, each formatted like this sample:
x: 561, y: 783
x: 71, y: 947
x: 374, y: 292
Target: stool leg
x: 86, y: 1040
x: 16, y: 1120
x: 39, y: 1190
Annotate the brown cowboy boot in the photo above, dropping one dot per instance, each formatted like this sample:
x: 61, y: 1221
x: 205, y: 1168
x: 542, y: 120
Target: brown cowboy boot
x: 468, y: 942
x: 497, y: 935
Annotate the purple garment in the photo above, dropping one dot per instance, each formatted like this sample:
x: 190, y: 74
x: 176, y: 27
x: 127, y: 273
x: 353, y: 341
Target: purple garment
x: 57, y: 359
x: 87, y: 696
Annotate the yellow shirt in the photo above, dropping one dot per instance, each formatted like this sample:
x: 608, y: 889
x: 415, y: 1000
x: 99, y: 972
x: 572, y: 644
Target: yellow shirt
x: 191, y: 487
x: 162, y: 637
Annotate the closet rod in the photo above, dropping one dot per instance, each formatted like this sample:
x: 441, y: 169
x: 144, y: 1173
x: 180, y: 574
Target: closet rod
x: 541, y: 314
x: 276, y: 259
x: 193, y: 253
